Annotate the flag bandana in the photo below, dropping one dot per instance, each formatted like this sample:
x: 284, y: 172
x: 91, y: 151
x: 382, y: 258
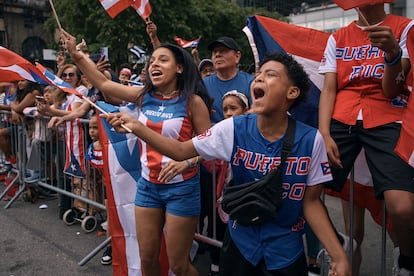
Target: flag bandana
x: 306, y: 45
x: 187, y: 44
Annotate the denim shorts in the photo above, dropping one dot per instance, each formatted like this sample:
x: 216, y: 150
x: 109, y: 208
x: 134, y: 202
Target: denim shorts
x: 180, y: 199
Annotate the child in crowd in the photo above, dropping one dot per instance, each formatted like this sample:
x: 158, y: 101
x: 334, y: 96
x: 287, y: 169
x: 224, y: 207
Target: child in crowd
x: 252, y: 145
x: 94, y: 157
x: 234, y: 104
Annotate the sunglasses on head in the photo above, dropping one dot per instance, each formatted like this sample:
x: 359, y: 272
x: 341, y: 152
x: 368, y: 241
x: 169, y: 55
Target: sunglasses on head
x: 64, y: 75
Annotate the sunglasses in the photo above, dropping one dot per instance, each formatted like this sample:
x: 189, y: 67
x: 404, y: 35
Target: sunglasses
x: 70, y: 75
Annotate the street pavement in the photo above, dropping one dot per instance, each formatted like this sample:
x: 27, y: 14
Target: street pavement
x: 35, y: 241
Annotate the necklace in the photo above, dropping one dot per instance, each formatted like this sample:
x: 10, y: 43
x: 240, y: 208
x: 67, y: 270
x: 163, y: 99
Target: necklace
x: 169, y: 95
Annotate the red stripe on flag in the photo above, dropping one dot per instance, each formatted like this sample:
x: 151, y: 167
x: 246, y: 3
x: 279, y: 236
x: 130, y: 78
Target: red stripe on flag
x: 282, y: 32
x: 114, y: 7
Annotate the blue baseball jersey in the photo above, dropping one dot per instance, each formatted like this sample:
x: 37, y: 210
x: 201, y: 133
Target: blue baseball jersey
x: 217, y: 88
x: 238, y: 141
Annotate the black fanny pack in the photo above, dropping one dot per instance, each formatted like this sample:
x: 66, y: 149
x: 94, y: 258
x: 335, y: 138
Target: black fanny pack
x: 257, y: 201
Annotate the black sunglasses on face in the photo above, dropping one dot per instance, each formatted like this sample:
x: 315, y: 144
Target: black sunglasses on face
x: 70, y: 75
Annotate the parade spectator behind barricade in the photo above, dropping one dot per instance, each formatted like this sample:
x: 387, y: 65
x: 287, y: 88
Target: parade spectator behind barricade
x: 172, y: 79
x: 225, y: 54
x: 37, y: 162
x: 362, y: 108
x: 25, y: 97
x: 10, y: 92
x: 206, y: 68
x: 125, y: 73
x: 275, y: 246
x: 94, y: 156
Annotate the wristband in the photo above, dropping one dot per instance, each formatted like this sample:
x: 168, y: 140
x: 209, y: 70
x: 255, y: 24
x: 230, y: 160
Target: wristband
x: 395, y: 60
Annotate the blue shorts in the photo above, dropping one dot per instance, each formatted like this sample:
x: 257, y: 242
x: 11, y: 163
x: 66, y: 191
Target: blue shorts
x: 180, y: 199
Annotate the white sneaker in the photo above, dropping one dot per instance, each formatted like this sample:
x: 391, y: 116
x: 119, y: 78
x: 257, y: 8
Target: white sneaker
x: 323, y: 258
x: 347, y: 244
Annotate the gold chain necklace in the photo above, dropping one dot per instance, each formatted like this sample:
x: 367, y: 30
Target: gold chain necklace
x: 169, y: 95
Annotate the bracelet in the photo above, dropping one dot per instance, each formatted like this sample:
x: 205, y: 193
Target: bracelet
x: 395, y: 60
x: 191, y: 165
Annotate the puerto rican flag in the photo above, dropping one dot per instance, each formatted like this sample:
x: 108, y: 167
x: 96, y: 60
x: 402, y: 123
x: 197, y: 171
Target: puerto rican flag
x: 306, y: 45
x: 114, y: 7
x: 187, y: 44
x: 142, y: 7
x: 75, y: 148
x: 121, y: 155
x: 14, y: 68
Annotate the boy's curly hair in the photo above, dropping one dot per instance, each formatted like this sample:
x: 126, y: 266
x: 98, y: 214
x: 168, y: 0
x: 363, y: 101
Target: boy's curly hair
x: 295, y: 73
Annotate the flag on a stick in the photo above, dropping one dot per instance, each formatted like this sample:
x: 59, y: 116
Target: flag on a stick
x: 187, y: 44
x: 114, y: 7
x: 142, y: 7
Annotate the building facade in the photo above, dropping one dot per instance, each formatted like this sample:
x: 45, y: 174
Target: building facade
x: 329, y: 17
x: 22, y: 27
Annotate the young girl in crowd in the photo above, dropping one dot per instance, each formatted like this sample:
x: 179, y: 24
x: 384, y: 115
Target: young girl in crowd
x: 169, y: 105
x: 274, y: 247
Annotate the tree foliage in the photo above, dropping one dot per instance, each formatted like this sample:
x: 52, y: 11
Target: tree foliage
x: 187, y: 19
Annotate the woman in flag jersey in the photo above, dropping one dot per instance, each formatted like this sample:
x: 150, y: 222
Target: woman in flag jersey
x: 173, y: 103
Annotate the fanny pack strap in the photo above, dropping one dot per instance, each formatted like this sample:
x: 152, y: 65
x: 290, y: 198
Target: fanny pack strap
x: 288, y: 143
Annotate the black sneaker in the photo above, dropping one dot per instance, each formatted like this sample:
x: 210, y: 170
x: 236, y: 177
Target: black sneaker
x: 107, y: 256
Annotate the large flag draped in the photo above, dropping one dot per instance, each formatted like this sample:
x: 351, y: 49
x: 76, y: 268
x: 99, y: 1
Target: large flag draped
x: 306, y: 45
x: 121, y: 172
x: 187, y: 44
x: 405, y: 145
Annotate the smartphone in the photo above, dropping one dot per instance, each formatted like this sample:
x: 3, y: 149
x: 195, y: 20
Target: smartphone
x: 41, y: 99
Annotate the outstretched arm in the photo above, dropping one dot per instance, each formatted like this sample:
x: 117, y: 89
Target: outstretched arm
x: 88, y: 67
x: 170, y: 147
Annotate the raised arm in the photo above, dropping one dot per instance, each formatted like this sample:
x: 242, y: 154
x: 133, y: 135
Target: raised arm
x: 88, y: 67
